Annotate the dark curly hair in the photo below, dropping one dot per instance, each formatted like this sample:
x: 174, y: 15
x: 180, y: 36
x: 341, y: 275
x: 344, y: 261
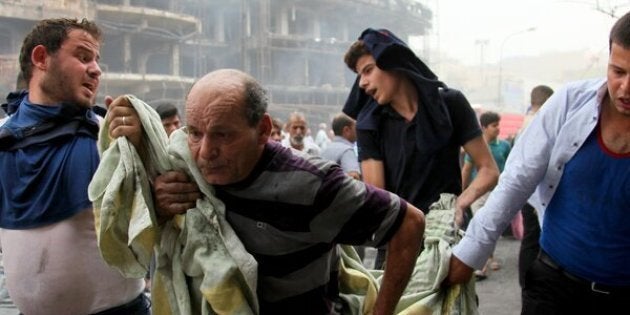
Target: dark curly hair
x: 51, y: 33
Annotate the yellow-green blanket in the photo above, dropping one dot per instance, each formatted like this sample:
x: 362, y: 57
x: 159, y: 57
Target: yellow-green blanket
x: 424, y: 293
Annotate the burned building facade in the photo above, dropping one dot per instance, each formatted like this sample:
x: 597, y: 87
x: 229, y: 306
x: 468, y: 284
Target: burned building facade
x: 156, y: 49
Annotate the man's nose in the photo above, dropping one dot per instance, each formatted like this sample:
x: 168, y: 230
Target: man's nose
x: 207, y: 150
x: 625, y: 84
x: 363, y: 82
x: 94, y: 70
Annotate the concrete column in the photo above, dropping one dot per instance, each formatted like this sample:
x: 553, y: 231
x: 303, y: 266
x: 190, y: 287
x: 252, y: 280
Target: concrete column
x: 248, y: 20
x: 127, y: 53
x: 317, y: 28
x: 219, y: 27
x: 283, y: 20
x: 175, y: 66
x: 344, y: 33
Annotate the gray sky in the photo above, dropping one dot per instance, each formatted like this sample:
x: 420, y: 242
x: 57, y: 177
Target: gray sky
x: 465, y: 28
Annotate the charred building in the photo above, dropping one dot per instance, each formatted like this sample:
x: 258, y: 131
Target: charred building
x: 156, y: 49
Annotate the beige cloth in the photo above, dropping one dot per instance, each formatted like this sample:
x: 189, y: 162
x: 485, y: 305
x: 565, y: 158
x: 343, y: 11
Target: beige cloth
x: 424, y: 293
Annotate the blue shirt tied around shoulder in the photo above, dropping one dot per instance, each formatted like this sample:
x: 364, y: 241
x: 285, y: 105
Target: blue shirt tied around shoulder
x: 48, y: 155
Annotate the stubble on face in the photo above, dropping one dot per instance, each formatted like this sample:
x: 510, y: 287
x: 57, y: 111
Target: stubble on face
x: 70, y: 79
x: 222, y: 143
x: 618, y: 79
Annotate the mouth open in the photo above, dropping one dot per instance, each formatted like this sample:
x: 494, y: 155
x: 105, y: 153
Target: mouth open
x: 90, y: 86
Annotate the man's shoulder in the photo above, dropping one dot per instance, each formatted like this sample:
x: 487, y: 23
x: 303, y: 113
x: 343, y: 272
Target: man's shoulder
x: 337, y: 146
x: 504, y: 143
x: 583, y: 91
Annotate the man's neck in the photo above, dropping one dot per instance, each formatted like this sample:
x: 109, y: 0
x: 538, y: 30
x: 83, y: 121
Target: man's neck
x: 489, y: 139
x: 298, y: 147
x: 615, y: 128
x: 37, y: 96
x: 406, y: 103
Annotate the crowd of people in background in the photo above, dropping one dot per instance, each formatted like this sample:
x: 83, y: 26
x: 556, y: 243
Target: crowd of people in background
x: 403, y: 139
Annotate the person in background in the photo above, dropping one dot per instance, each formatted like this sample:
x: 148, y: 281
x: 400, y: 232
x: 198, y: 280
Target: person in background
x: 169, y: 116
x: 341, y: 149
x: 410, y: 126
x: 538, y: 97
x: 297, y: 129
x: 289, y: 208
x: 531, y: 225
x: 575, y: 158
x: 276, y: 130
x: 321, y: 138
x: 47, y: 234
x: 500, y: 150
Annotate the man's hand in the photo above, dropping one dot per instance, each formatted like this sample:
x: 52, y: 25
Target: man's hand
x: 402, y: 251
x: 458, y: 272
x: 174, y: 194
x: 123, y: 120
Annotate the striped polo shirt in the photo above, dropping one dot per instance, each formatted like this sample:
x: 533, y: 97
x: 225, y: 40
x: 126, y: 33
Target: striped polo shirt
x: 291, y: 212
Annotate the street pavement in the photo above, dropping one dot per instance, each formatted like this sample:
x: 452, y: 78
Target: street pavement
x: 499, y: 294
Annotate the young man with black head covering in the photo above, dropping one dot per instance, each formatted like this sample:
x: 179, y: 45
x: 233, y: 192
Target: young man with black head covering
x: 410, y: 126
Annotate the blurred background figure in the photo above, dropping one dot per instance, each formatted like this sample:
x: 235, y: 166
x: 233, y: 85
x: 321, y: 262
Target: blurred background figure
x: 341, y: 149
x: 530, y: 246
x: 321, y: 138
x: 169, y: 116
x: 276, y: 130
x: 500, y: 150
x: 297, y: 128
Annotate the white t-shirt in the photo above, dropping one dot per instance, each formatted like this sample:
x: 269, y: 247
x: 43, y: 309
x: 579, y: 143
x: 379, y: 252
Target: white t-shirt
x: 57, y: 269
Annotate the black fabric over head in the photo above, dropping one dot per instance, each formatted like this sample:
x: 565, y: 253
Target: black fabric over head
x: 392, y: 54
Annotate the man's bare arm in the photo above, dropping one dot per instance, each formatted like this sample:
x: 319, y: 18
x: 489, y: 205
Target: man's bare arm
x: 402, y: 252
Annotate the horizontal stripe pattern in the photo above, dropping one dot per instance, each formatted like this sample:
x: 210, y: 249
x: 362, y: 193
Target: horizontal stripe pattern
x: 293, y: 210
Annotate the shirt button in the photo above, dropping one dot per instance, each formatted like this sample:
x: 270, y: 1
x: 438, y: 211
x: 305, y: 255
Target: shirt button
x: 575, y: 144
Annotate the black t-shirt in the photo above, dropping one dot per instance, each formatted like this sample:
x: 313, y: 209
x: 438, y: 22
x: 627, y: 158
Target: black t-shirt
x: 394, y: 143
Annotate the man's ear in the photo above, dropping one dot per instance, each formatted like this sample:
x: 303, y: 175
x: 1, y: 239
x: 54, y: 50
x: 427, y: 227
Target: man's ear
x: 264, y: 128
x: 38, y: 57
x: 346, y: 130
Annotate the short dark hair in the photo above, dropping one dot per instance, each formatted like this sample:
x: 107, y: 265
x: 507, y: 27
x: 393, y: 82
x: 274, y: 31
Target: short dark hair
x: 51, y: 33
x: 339, y: 122
x: 256, y: 101
x: 166, y: 110
x: 276, y: 123
x: 356, y: 51
x: 540, y: 94
x: 620, y: 33
x: 488, y: 118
